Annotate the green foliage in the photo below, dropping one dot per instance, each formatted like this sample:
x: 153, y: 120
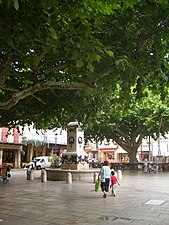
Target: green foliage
x: 53, y: 158
x: 107, y: 45
x: 129, y: 122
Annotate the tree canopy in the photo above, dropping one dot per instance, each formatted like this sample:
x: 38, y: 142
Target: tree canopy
x: 55, y: 56
x: 129, y: 122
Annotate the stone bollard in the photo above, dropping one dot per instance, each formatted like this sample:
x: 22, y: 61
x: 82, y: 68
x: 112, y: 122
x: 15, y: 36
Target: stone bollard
x: 119, y: 174
x: 69, y: 178
x: 156, y: 169
x: 32, y: 175
x: 95, y: 177
x: 145, y: 168
x: 43, y: 175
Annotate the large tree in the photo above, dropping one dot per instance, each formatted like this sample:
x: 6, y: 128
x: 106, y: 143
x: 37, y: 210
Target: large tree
x: 51, y: 52
x: 129, y: 122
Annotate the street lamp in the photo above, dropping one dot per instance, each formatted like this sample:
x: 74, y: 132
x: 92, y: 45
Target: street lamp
x: 159, y: 150
x: 149, y: 149
x: 56, y: 141
x: 98, y: 151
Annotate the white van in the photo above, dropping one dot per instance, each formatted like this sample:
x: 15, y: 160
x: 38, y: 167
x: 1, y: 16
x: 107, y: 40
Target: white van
x: 40, y: 162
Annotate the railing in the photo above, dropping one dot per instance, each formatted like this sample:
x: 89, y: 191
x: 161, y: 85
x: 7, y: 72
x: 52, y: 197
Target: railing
x: 162, y: 167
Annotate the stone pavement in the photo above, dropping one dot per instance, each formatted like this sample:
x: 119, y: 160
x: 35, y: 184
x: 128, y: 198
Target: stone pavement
x: 141, y: 199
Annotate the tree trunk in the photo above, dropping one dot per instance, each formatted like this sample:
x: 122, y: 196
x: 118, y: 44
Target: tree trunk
x: 132, y: 159
x: 132, y: 156
x: 130, y: 143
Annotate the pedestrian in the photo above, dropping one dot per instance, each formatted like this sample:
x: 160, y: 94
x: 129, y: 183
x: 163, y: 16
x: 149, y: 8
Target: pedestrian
x: 29, y: 168
x: 8, y: 171
x: 114, y: 182
x: 105, y: 173
x: 115, y: 173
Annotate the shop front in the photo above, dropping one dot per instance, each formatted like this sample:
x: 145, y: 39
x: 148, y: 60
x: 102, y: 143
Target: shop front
x: 10, y: 154
x: 108, y: 154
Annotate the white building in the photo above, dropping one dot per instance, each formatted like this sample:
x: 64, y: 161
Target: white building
x: 152, y: 149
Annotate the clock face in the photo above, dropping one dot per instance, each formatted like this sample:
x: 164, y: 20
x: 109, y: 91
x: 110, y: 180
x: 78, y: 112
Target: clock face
x: 80, y: 140
x: 71, y: 140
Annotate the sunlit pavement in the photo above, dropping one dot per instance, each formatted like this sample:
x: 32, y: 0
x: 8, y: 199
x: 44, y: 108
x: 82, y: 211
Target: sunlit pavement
x: 141, y: 199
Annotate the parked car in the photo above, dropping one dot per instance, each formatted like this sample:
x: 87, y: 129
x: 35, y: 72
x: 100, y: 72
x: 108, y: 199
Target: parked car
x: 40, y: 162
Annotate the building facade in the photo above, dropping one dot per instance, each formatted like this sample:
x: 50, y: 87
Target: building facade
x: 20, y: 145
x: 105, y: 150
x: 10, y: 147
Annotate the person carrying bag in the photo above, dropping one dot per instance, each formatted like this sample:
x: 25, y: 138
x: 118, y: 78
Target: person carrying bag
x: 105, y: 174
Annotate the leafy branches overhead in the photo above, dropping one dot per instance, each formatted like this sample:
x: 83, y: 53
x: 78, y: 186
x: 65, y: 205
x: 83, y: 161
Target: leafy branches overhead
x: 129, y: 122
x: 51, y: 51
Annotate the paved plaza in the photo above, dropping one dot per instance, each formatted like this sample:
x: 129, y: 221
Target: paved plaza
x: 141, y: 199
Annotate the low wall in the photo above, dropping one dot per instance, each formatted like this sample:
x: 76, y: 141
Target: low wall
x: 77, y: 175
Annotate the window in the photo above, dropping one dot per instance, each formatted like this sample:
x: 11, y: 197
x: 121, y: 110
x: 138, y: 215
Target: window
x: 111, y: 155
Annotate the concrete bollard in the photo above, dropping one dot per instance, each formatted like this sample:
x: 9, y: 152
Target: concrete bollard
x: 145, y: 168
x: 43, y: 175
x: 156, y: 169
x: 119, y: 174
x: 32, y: 175
x: 69, y: 178
x: 95, y: 177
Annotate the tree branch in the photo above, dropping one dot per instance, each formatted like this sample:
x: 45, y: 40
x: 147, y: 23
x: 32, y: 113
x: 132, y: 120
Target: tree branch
x: 129, y: 144
x: 122, y: 144
x: 121, y: 133
x: 40, y: 100
x: 143, y: 41
x: 41, y: 87
x: 110, y: 70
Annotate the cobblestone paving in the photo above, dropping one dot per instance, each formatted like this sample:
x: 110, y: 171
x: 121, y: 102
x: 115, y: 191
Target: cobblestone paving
x: 141, y: 199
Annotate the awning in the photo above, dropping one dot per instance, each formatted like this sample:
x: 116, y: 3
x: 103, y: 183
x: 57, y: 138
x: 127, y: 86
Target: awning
x: 121, y: 151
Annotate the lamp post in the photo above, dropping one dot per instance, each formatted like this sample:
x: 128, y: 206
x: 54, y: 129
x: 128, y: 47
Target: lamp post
x: 56, y: 142
x: 149, y: 149
x: 159, y: 150
x: 141, y: 151
x: 98, y: 151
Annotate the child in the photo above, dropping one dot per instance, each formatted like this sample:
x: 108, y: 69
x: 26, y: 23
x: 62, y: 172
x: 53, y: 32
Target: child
x: 115, y: 173
x: 114, y: 183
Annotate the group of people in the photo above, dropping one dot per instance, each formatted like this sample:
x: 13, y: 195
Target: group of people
x: 108, y: 179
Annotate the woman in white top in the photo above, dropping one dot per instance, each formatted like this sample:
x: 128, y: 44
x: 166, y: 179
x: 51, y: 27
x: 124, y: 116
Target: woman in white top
x: 105, y: 174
